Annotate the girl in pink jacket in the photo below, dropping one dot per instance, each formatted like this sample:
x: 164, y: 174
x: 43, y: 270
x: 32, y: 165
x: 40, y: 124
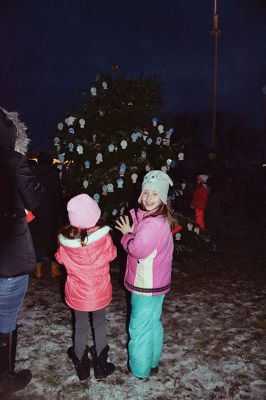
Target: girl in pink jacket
x: 149, y: 245
x: 86, y: 251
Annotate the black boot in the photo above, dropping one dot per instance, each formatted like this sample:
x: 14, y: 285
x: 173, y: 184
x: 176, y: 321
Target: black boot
x: 101, y: 367
x: 82, y: 366
x: 11, y: 381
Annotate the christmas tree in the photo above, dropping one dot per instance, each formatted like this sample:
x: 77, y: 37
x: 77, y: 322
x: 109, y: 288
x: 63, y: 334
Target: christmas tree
x: 106, y: 148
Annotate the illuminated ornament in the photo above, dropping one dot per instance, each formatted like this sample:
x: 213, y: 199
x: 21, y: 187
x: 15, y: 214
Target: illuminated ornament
x: 120, y: 183
x: 104, y: 85
x: 164, y: 168
x: 56, y: 140
x: 71, y: 147
x: 154, y: 121
x: 104, y: 189
x: 110, y: 188
x: 60, y: 126
x: 87, y: 164
x: 143, y: 154
x: 180, y: 156
x: 61, y: 157
x: 158, y: 140
x: 99, y: 158
x: 169, y: 161
x: 93, y: 91
x: 115, y: 211
x: 122, y: 211
x: 149, y: 140
x: 123, y: 144
x: 71, y: 130
x: 134, y: 137
x: 96, y: 197
x: 161, y: 128
x: 178, y: 236
x: 147, y: 168
x: 145, y: 135
x: 111, y: 148
x: 183, y: 185
x: 134, y: 177
x: 85, y: 183
x: 122, y: 169
x: 70, y: 120
x: 59, y: 166
x: 80, y: 149
x: 189, y: 226
x: 196, y: 230
x: 82, y: 123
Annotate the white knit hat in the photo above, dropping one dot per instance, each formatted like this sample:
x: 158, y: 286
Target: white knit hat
x: 159, y: 182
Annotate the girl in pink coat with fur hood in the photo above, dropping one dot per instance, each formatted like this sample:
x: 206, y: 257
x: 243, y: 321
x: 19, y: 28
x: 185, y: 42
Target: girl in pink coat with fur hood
x: 86, y: 250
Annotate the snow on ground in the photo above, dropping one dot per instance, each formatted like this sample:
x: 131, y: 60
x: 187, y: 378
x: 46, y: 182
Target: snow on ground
x: 214, y: 320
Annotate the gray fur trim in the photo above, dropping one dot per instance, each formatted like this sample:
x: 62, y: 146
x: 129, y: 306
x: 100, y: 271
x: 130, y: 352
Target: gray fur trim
x: 22, y: 141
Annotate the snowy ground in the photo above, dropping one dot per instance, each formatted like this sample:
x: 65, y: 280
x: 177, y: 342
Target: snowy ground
x: 214, y: 319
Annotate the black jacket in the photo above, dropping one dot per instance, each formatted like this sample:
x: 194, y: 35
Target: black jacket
x: 20, y: 190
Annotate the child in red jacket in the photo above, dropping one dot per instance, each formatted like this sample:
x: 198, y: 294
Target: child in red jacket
x: 200, y: 198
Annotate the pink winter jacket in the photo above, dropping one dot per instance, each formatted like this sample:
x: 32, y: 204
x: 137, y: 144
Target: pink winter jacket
x: 150, y: 253
x: 88, y: 285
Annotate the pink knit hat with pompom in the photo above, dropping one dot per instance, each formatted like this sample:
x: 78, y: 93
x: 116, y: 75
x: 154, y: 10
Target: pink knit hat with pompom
x: 83, y: 211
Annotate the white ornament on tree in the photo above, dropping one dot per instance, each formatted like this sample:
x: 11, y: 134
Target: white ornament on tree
x: 196, y: 230
x: 82, y: 123
x: 60, y: 126
x: 143, y: 154
x: 160, y: 128
x: 94, y: 91
x: 71, y: 130
x: 145, y: 135
x: 120, y: 183
x: 110, y: 188
x: 178, y: 236
x: 115, y: 211
x: 147, y: 168
x: 99, y: 158
x: 96, y: 197
x: 169, y: 161
x: 134, y: 178
x: 71, y: 147
x: 85, y: 183
x: 70, y: 120
x: 164, y: 168
x: 104, y: 85
x: 149, y: 140
x: 154, y: 121
x: 181, y: 156
x: 87, y: 164
x: 189, y: 226
x: 158, y: 140
x: 111, y: 148
x: 56, y: 140
x: 134, y: 137
x: 183, y: 185
x: 123, y: 144
x: 104, y: 189
x: 61, y: 157
x: 122, y: 169
x: 80, y: 149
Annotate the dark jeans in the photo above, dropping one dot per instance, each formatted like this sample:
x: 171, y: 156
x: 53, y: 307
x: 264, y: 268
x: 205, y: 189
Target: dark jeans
x: 81, y: 334
x: 12, y: 293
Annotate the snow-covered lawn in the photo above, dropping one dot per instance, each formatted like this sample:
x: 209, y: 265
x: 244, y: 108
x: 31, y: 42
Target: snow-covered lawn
x: 214, y: 320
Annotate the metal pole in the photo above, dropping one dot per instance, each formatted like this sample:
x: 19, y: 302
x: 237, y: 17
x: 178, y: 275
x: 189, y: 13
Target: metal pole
x: 215, y: 33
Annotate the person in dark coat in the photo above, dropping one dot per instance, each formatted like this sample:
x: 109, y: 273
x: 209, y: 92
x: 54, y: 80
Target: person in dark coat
x: 20, y: 190
x: 48, y: 216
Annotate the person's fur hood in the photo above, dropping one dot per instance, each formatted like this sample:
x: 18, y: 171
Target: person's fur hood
x: 13, y: 134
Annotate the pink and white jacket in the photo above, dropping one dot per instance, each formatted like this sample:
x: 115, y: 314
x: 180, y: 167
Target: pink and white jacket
x: 88, y: 286
x: 150, y: 253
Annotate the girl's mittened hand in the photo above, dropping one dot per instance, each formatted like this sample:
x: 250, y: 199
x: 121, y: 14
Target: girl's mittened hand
x: 123, y: 225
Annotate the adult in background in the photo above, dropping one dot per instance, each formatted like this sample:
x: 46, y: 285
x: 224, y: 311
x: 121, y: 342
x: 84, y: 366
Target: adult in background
x: 20, y: 190
x: 48, y: 218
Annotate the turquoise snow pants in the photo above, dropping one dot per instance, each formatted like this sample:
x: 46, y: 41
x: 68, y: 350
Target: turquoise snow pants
x: 146, y: 334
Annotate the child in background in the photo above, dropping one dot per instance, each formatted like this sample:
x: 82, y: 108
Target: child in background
x: 86, y: 250
x: 199, y: 200
x: 149, y: 244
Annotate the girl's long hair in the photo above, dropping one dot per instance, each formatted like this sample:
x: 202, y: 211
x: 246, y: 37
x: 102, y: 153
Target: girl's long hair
x: 71, y: 232
x: 166, y: 211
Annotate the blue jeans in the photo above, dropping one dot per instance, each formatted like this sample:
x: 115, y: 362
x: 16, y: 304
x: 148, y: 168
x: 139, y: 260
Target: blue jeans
x: 12, y: 293
x: 146, y: 334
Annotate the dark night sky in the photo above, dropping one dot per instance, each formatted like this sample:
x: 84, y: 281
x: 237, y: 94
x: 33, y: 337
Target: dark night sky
x: 53, y: 49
